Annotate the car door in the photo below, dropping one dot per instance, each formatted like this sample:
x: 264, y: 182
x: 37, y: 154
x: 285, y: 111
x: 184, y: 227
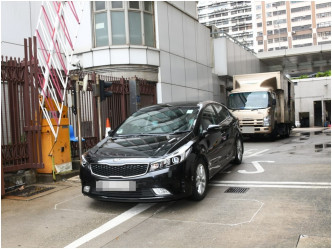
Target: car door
x: 226, y: 122
x: 210, y: 142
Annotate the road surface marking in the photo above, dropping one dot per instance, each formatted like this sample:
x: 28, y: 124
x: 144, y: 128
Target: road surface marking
x: 259, y: 168
x: 257, y: 153
x: 259, y: 184
x: 110, y: 224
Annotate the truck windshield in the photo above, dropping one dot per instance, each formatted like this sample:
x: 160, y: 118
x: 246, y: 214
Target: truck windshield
x: 249, y: 100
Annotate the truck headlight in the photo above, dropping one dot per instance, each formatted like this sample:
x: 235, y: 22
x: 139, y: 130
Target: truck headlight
x: 267, y: 121
x: 175, y: 158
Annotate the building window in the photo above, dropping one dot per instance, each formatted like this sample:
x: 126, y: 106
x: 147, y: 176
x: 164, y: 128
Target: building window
x: 300, y: 9
x: 269, y: 41
x: 259, y: 33
x: 269, y: 23
x: 260, y: 42
x: 269, y: 14
x: 300, y: 28
x: 323, y: 5
x: 300, y: 37
x: 324, y: 34
x: 258, y: 16
x: 324, y: 24
x: 269, y: 32
x: 279, y: 12
x: 122, y: 22
x: 301, y: 18
x: 322, y: 15
x: 259, y: 24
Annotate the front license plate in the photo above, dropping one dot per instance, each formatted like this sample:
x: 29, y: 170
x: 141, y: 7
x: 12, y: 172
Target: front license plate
x: 116, y: 186
x: 248, y: 129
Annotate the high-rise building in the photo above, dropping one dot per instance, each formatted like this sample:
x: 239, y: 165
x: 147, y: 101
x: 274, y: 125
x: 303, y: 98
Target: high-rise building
x: 270, y: 25
x: 291, y: 24
x: 231, y: 17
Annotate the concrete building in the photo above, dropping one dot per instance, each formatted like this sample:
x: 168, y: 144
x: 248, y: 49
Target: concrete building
x: 231, y: 17
x: 291, y: 24
x: 270, y: 25
x: 313, y: 101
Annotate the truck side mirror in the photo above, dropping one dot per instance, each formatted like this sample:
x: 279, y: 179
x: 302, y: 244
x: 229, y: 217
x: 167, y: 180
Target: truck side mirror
x: 274, y: 102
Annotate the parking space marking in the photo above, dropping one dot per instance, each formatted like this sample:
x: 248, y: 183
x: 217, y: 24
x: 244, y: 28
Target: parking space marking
x: 256, y: 154
x: 110, y: 224
x: 256, y: 164
x: 264, y: 184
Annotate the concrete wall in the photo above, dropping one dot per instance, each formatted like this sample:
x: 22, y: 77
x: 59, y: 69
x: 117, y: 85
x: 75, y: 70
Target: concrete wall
x: 309, y: 90
x: 231, y: 59
x: 185, y: 71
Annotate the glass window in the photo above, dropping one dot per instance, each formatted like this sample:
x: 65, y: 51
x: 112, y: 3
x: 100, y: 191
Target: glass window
x: 134, y: 4
x: 208, y: 117
x: 121, y: 23
x: 148, y: 6
x: 149, y: 30
x: 221, y: 112
x: 99, y: 5
x: 101, y: 29
x: 117, y: 4
x: 118, y: 28
x: 135, y: 30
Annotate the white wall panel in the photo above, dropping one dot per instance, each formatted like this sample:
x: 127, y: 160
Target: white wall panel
x: 177, y: 70
x: 164, y: 93
x: 190, y: 7
x: 153, y: 57
x: 201, y: 44
x: 120, y: 56
x: 87, y: 60
x: 137, y: 56
x: 189, y: 34
x: 192, y: 94
x: 191, y: 74
x: 203, y: 82
x: 175, y: 31
x: 204, y: 95
x: 178, y: 4
x: 162, y: 17
x: 178, y: 93
x: 101, y: 57
x: 165, y: 67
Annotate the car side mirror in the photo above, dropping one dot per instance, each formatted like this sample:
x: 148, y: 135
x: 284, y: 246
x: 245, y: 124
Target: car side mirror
x: 212, y: 128
x: 110, y: 133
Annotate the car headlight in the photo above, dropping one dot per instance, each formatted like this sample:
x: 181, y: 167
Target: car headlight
x: 267, y: 121
x: 84, y: 162
x: 175, y: 158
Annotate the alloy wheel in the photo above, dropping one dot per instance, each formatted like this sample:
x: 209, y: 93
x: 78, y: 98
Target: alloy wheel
x: 200, y: 179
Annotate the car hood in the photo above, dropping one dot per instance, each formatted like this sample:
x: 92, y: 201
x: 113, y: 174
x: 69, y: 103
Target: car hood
x: 134, y: 147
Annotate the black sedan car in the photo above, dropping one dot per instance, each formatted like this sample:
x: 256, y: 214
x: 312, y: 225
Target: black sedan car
x: 163, y: 152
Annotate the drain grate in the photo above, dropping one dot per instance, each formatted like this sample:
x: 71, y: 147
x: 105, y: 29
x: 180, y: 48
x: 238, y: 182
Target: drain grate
x: 237, y: 190
x: 29, y: 191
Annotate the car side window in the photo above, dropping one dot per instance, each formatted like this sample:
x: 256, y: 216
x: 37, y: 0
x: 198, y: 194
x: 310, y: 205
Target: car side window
x: 222, y: 113
x: 208, y: 117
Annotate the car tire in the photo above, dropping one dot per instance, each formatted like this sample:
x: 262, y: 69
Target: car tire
x: 238, y: 151
x: 199, y: 181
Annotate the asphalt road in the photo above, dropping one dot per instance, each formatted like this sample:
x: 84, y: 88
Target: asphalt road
x: 280, y: 197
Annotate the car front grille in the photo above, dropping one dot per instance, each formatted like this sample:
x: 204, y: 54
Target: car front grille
x: 251, y: 122
x: 127, y: 170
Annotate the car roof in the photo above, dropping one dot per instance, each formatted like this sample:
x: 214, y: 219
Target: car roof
x: 190, y: 103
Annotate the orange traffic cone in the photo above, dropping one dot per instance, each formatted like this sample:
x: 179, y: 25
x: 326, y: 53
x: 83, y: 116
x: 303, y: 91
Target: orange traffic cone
x: 108, y: 127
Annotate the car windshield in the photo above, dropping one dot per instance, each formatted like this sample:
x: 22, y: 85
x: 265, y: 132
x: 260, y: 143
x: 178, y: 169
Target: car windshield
x: 249, y: 100
x: 160, y: 120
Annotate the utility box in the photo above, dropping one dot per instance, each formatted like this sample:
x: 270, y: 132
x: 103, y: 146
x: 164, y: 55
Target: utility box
x: 56, y: 157
x: 134, y: 95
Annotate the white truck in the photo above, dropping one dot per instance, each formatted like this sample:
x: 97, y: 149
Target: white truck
x: 263, y: 103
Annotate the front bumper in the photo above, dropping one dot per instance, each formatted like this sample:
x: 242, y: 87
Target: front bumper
x: 251, y: 130
x: 173, y: 179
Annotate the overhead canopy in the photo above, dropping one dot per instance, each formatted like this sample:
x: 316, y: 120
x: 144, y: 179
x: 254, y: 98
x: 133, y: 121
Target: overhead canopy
x: 298, y: 61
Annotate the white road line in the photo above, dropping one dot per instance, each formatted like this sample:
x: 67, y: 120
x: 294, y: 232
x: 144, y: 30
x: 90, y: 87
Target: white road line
x: 273, y: 183
x: 257, y: 184
x: 110, y: 224
x: 256, y: 154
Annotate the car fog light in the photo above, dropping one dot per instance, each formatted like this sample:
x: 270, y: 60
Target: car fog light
x: 161, y: 191
x: 86, y: 189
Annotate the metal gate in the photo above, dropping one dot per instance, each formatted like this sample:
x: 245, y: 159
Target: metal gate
x: 20, y: 116
x: 116, y: 108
